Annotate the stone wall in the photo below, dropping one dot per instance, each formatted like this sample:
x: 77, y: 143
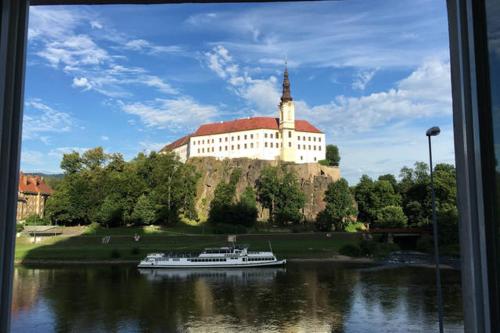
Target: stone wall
x: 314, y: 179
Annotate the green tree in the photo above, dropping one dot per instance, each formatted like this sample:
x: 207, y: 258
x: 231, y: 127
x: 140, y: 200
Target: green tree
x: 391, y: 217
x: 339, y: 206
x: 144, y: 211
x: 71, y: 163
x: 332, y: 157
x: 245, y: 210
x: 268, y: 188
x: 290, y: 200
x: 362, y: 195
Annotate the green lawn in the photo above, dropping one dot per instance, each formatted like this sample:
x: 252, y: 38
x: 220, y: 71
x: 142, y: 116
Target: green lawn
x: 122, y: 246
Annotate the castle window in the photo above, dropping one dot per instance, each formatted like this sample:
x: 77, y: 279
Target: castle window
x: 289, y: 144
x: 309, y: 147
x: 232, y: 147
x: 309, y: 138
x: 319, y: 139
x: 301, y: 158
x: 251, y: 136
x: 271, y: 145
x: 319, y: 148
x: 298, y: 137
x: 194, y: 142
x: 238, y: 138
x: 303, y: 146
x: 245, y: 136
x: 203, y: 141
x: 225, y: 148
x: 271, y: 135
x: 314, y: 139
x: 220, y: 148
x: 213, y: 149
x: 265, y: 144
x: 238, y: 146
x: 245, y: 146
x: 212, y: 140
x: 232, y: 138
x: 226, y: 138
x: 202, y: 150
x: 220, y: 139
x: 298, y: 146
x: 304, y: 138
x: 277, y: 135
x: 289, y: 134
x: 251, y: 145
x: 198, y: 150
x: 265, y: 135
x: 314, y: 147
x: 315, y: 159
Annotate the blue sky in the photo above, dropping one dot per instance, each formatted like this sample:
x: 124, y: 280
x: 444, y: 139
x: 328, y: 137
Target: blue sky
x: 373, y: 75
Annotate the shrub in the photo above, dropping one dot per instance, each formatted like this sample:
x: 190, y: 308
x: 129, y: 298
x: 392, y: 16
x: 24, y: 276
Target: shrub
x: 350, y: 250
x: 19, y: 227
x: 36, y: 220
x: 376, y: 249
x: 391, y: 217
x: 425, y: 244
x: 355, y: 227
x: 115, y: 254
x: 135, y: 251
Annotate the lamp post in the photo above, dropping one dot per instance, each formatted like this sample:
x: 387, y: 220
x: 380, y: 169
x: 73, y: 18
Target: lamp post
x: 434, y: 131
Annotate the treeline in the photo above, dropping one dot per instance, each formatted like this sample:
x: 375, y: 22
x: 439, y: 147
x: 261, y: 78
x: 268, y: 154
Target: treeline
x: 391, y: 203
x: 103, y: 188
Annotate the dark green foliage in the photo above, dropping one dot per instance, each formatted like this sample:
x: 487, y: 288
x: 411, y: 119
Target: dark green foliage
x: 36, y: 220
x: 115, y: 254
x: 448, y: 225
x: 339, y: 210
x: 135, y: 251
x: 103, y: 188
x: 19, y: 227
x: 373, y: 248
x: 350, y: 250
x: 332, y: 156
x: 391, y: 217
x: 425, y: 244
x: 373, y: 196
x: 224, y: 207
x: 279, y: 191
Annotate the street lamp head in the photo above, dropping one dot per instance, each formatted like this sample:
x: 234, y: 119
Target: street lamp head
x: 433, y: 131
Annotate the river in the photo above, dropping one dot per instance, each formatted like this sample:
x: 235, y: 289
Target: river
x: 302, y: 297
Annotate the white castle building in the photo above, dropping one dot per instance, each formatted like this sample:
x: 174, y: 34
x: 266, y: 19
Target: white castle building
x: 264, y: 138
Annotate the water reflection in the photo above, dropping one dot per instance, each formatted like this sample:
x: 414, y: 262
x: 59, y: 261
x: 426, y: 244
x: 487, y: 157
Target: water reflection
x: 301, y: 298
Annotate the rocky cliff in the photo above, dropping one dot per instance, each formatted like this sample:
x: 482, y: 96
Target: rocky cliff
x: 314, y: 179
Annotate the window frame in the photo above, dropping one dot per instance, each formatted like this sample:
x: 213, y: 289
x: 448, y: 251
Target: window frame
x: 472, y: 134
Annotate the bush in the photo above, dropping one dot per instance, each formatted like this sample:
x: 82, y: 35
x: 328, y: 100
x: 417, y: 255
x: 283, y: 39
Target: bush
x: 36, y: 220
x: 229, y: 229
x: 19, y: 227
x: 425, y: 244
x: 391, y: 217
x: 350, y: 250
x: 355, y: 227
x: 115, y: 254
x: 376, y: 249
x: 135, y: 251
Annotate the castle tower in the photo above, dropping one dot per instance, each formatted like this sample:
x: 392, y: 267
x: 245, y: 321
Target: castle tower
x: 287, y: 122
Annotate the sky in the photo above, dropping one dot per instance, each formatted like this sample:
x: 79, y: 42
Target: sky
x: 372, y: 75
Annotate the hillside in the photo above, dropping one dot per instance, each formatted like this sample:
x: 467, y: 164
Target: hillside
x: 314, y: 179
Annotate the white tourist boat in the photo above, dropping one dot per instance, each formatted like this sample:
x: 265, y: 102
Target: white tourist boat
x: 223, y: 257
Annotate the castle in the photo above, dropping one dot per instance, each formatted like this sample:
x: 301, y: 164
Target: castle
x: 263, y: 138
x: 32, y: 195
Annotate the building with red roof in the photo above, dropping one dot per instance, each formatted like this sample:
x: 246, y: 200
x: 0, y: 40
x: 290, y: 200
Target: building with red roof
x: 267, y: 138
x: 32, y: 195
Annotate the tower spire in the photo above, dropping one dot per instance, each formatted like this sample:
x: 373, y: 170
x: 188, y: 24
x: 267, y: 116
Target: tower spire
x: 286, y: 96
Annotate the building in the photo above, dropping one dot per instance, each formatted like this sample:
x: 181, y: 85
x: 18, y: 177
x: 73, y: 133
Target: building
x: 32, y: 195
x: 266, y: 138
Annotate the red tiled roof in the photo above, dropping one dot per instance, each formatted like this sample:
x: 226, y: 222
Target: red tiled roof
x: 177, y: 143
x: 247, y: 124
x: 33, y: 184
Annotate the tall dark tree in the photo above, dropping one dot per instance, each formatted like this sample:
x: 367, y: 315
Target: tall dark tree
x: 340, y: 208
x: 332, y: 157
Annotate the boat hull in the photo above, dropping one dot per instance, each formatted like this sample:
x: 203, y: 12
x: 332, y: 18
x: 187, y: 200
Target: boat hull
x: 221, y: 265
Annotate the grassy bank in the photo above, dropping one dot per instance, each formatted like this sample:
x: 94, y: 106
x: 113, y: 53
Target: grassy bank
x: 88, y: 245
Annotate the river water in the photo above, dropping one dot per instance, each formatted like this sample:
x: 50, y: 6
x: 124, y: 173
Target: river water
x: 303, y: 297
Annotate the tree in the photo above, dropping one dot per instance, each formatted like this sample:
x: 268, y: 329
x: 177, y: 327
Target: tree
x: 362, y: 195
x: 71, y: 163
x: 391, y: 217
x: 391, y: 179
x: 245, y: 210
x: 268, y: 188
x: 144, y: 211
x: 290, y: 200
x: 332, y: 157
x: 339, y: 206
x: 222, y: 206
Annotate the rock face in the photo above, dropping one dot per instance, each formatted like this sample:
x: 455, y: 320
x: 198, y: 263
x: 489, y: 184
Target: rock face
x: 313, y: 177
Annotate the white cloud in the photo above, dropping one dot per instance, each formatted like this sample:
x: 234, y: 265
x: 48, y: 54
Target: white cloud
x: 362, y: 79
x: 95, y: 25
x: 81, y: 82
x: 178, y: 113
x: 425, y: 93
x: 40, y: 119
x: 142, y: 45
x: 60, y: 151
x: 261, y: 94
x: 149, y: 146
x: 32, y: 158
x: 104, y: 138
